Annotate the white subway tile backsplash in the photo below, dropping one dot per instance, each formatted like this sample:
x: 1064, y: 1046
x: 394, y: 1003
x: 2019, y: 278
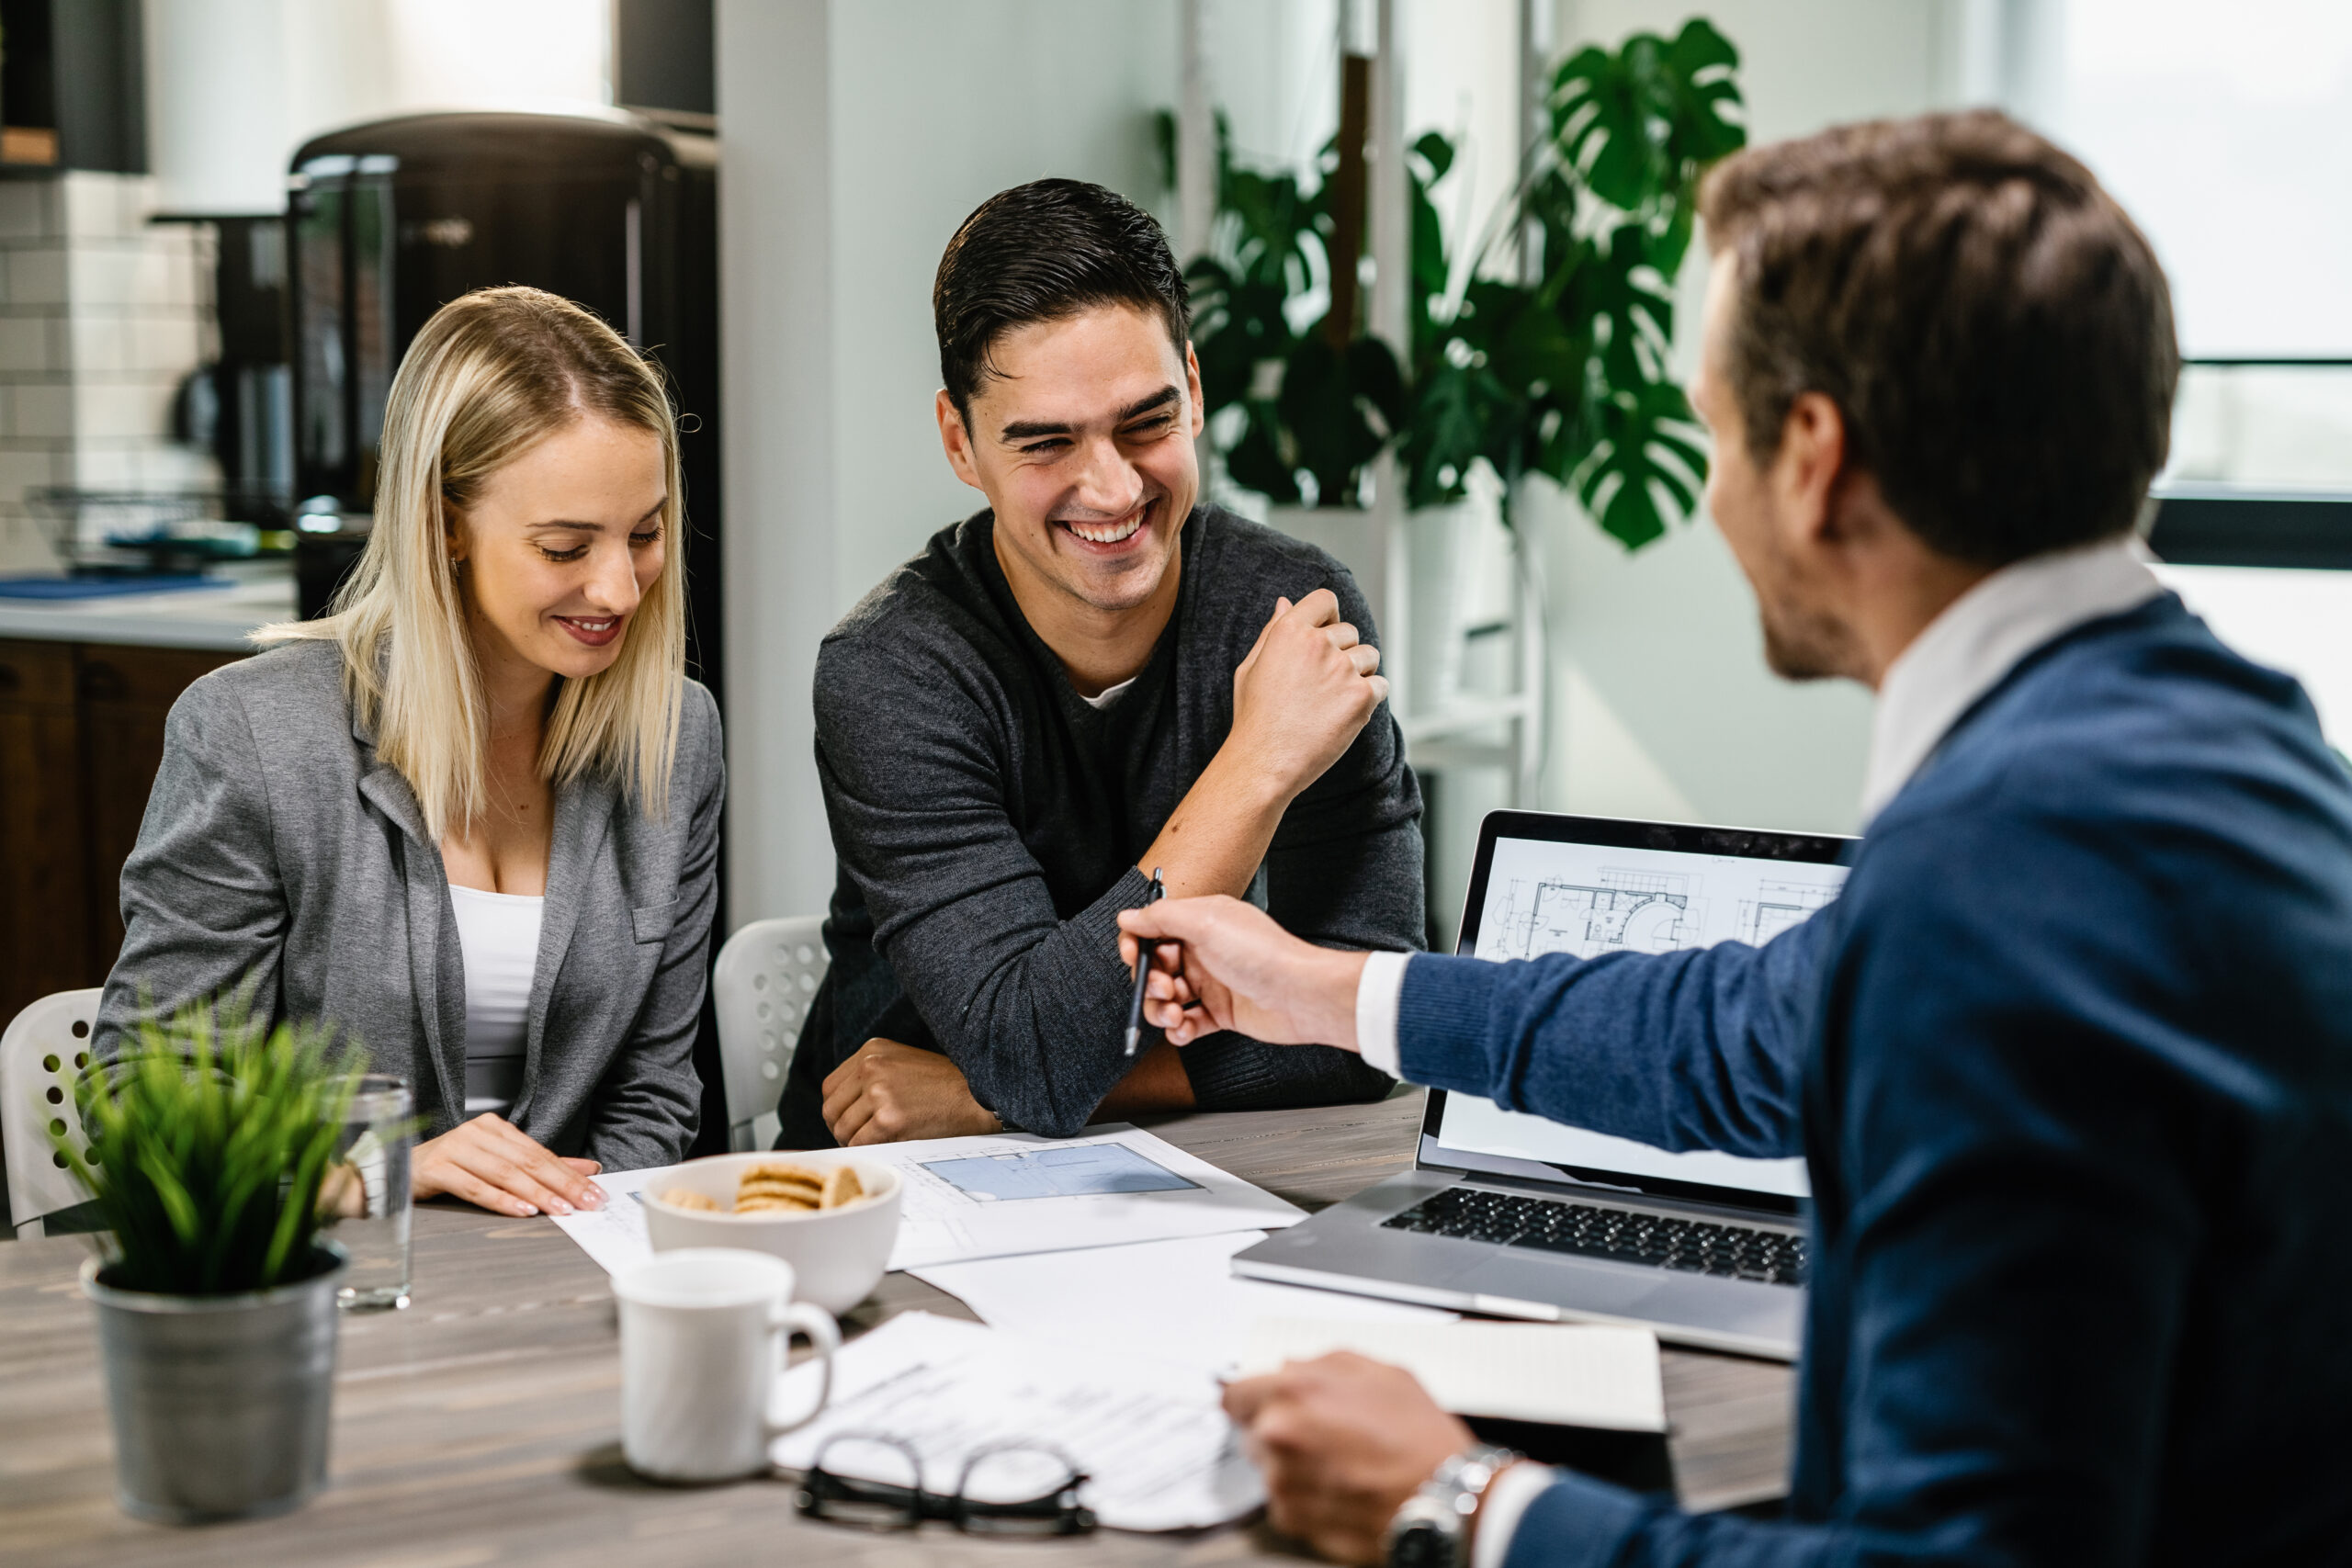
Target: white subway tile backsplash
x: 28, y: 210
x: 36, y: 276
x: 106, y: 466
x: 21, y: 471
x: 41, y: 413
x: 103, y: 207
x: 102, y: 345
x: 120, y: 411
x: 104, y: 274
x: 162, y: 345
x: 25, y: 343
x: 102, y: 315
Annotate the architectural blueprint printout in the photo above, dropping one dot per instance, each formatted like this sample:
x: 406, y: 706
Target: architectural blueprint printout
x: 1153, y: 1439
x: 1590, y: 899
x: 1001, y: 1195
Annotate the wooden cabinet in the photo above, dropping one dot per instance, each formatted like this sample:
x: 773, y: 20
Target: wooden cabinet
x: 81, y: 737
x: 44, y: 893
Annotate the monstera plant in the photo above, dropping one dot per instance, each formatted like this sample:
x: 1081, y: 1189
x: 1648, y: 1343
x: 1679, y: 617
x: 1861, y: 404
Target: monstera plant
x: 1565, y: 375
x: 1318, y: 400
x: 1560, y: 370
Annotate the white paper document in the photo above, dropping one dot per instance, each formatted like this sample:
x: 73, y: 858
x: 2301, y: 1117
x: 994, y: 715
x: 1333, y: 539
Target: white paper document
x: 1164, y: 1301
x: 1568, y: 1374
x: 1003, y: 1194
x: 615, y: 1234
x: 1153, y: 1441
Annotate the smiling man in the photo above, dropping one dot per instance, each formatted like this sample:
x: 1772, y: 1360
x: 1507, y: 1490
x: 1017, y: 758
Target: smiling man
x: 1095, y: 677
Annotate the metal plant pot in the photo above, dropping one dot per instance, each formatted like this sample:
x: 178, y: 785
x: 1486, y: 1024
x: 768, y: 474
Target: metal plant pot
x: 220, y: 1403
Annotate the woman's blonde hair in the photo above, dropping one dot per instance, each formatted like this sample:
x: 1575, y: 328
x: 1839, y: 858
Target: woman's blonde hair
x: 491, y: 376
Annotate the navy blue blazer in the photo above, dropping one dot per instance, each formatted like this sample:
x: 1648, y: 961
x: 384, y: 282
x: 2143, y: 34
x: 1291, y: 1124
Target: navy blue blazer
x: 2070, y: 1062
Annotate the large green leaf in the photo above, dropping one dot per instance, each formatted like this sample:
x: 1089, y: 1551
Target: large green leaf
x: 1644, y: 465
x: 1638, y: 124
x: 1340, y: 406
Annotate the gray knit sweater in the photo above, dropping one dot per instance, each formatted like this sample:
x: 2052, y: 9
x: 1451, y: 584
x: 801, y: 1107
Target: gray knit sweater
x: 987, y: 821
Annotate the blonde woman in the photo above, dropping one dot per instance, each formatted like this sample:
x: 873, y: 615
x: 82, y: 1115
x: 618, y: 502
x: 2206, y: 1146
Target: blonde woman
x: 471, y: 817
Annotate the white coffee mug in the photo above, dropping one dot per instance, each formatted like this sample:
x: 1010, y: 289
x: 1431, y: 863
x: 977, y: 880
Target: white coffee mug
x: 703, y: 1332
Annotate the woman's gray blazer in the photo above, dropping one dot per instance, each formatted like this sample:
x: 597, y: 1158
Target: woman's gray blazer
x: 278, y: 848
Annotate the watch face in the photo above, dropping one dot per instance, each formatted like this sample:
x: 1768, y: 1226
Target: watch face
x: 1421, y: 1544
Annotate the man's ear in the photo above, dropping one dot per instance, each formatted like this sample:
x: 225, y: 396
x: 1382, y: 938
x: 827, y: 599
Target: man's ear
x: 1193, y: 392
x: 1809, y: 472
x: 956, y: 439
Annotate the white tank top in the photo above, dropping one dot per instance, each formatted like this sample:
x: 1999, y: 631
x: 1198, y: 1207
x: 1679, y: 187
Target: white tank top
x: 499, y: 935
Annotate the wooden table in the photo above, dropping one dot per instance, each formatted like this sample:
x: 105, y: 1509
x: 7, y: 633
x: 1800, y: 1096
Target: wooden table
x: 482, y: 1426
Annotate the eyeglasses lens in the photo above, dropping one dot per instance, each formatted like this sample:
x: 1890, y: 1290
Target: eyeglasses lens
x: 869, y: 1483
x: 1020, y: 1490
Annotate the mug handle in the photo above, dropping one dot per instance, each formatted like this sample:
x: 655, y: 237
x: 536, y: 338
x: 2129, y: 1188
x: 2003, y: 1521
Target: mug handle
x: 825, y: 1337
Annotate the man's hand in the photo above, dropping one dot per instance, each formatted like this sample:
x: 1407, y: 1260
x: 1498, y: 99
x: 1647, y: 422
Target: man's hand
x: 490, y: 1162
x: 1342, y: 1441
x: 1305, y: 692
x: 888, y: 1092
x: 1236, y: 969
x: 1299, y: 700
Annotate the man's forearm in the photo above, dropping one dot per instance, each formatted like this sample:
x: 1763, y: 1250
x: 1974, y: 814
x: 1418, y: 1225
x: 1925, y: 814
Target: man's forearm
x: 1217, y: 836
x: 1156, y: 1083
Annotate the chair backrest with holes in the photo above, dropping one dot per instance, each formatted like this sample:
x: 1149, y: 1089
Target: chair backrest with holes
x: 761, y: 988
x: 42, y: 1051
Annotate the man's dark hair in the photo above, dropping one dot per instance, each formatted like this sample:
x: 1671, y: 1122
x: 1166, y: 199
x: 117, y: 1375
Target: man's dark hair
x: 1041, y: 253
x: 1995, y: 331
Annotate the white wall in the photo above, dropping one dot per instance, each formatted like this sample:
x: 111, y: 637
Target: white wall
x: 234, y: 87
x: 855, y: 139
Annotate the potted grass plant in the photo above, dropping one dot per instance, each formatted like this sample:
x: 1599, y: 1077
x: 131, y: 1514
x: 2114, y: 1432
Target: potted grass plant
x: 210, y: 1137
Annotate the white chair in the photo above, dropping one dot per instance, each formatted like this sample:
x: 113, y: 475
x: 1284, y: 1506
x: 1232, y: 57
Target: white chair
x: 765, y: 977
x: 41, y: 1052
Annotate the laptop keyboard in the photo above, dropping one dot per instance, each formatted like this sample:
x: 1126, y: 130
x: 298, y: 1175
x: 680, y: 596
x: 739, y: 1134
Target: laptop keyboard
x: 1739, y: 1252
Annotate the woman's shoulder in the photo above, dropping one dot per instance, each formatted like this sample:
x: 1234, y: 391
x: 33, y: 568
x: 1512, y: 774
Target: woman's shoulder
x: 286, y: 690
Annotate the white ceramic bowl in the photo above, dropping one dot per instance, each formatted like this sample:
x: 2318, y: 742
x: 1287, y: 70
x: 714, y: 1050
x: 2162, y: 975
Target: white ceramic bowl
x: 839, y: 1254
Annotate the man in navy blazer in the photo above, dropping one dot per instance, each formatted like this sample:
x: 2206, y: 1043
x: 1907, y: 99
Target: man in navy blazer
x: 2070, y: 1059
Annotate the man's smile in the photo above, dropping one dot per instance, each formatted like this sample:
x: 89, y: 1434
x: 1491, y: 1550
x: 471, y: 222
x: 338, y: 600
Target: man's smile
x: 1109, y: 534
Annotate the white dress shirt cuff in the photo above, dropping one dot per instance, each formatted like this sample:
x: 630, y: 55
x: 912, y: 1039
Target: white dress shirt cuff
x: 1378, y: 990
x: 1506, y: 1500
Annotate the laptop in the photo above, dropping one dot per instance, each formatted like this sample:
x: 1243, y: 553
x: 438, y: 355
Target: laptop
x: 1514, y: 1216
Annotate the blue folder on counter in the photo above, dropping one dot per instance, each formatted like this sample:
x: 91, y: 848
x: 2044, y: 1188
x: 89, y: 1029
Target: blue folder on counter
x: 100, y: 587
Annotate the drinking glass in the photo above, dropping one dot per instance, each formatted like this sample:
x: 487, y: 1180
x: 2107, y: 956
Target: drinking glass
x: 366, y: 1194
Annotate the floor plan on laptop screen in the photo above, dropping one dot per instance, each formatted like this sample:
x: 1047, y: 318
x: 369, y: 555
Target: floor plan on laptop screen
x: 1589, y: 899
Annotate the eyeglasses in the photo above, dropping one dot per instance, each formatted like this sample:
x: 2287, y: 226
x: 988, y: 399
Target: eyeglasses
x: 1011, y: 1488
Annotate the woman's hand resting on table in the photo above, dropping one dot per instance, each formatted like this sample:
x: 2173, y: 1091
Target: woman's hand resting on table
x: 493, y: 1163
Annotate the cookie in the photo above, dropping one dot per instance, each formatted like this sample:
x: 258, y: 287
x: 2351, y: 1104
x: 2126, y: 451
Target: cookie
x: 775, y: 1187
x: 773, y: 1204
x: 679, y: 1198
x: 842, y: 1186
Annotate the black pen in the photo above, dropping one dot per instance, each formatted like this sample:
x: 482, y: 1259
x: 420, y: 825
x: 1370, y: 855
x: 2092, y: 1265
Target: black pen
x: 1144, y: 950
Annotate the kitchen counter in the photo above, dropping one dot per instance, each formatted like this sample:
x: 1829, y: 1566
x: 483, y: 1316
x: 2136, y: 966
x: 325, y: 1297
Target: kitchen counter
x: 217, y: 619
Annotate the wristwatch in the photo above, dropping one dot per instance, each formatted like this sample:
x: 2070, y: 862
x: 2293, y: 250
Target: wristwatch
x: 1433, y: 1529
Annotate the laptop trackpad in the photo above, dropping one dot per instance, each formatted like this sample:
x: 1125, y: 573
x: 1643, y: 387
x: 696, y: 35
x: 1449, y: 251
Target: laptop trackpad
x: 1598, y: 1288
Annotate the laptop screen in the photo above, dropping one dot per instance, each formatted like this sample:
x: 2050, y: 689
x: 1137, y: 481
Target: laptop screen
x: 1590, y: 885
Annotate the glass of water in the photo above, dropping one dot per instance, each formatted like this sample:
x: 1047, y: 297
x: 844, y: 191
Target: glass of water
x: 366, y: 1194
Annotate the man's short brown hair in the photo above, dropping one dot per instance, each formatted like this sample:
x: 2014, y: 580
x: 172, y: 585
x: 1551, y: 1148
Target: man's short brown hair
x: 1995, y: 331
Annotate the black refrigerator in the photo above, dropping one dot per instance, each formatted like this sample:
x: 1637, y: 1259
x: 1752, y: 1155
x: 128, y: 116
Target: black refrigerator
x: 389, y: 222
